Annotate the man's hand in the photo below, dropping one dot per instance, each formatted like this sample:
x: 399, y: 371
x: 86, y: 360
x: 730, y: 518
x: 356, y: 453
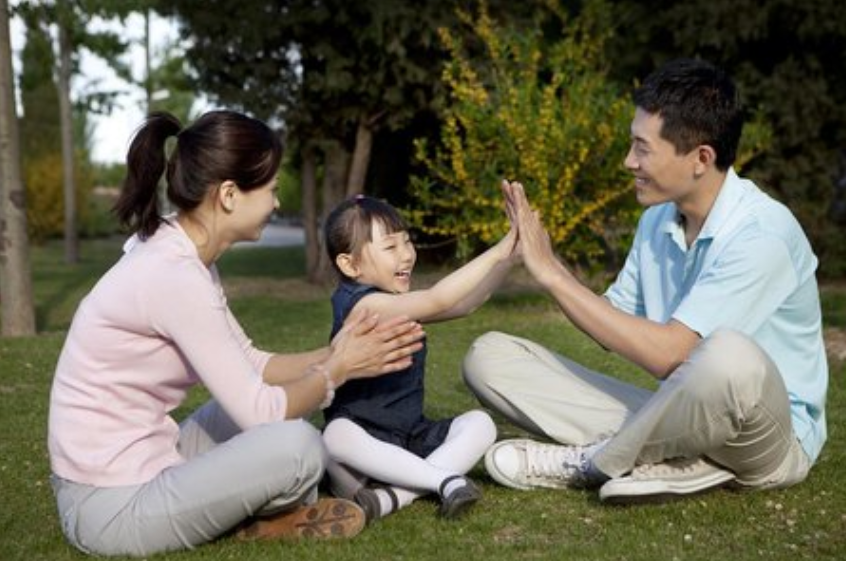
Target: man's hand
x: 534, y: 242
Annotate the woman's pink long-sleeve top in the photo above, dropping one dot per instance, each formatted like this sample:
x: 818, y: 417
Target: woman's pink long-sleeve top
x: 156, y: 324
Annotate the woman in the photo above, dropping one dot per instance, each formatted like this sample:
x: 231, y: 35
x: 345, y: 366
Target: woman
x: 127, y: 478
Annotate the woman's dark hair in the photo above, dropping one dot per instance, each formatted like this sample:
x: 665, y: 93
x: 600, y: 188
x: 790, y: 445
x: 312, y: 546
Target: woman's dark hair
x: 219, y: 146
x: 350, y: 225
x: 698, y: 103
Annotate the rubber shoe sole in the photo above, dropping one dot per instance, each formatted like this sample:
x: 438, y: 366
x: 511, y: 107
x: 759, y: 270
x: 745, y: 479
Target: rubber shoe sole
x: 663, y: 483
x: 325, y: 519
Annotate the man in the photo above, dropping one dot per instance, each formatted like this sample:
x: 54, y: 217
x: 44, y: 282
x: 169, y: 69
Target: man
x: 717, y: 299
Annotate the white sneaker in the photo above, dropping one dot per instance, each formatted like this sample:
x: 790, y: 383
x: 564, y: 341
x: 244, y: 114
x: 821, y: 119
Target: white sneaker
x: 526, y: 464
x: 667, y: 480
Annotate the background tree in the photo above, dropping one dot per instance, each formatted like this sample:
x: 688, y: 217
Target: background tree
x: 787, y: 58
x: 334, y: 73
x: 42, y: 138
x: 16, y: 304
x: 39, y: 124
x: 40, y: 132
x: 64, y: 73
x: 170, y: 84
x: 67, y: 21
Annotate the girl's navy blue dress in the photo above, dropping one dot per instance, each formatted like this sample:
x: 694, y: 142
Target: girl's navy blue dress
x: 388, y: 407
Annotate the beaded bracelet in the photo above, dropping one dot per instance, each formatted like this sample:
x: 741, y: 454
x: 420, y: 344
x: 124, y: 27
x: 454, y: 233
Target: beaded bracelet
x: 330, y: 386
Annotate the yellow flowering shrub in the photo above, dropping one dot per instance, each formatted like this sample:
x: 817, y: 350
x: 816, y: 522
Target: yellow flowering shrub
x: 45, y: 206
x: 537, y: 111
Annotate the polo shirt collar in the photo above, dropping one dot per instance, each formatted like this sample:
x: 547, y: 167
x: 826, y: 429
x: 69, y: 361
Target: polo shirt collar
x: 729, y: 197
x: 731, y: 194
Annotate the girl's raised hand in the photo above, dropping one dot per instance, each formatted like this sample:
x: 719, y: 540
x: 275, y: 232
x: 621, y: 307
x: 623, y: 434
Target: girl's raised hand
x: 511, y: 240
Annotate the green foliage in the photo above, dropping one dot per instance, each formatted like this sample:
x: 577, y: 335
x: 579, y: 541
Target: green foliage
x: 45, y: 199
x: 74, y: 17
x: 44, y: 209
x: 321, y: 66
x: 833, y: 299
x: 108, y: 174
x: 757, y: 138
x: 40, y: 130
x: 97, y: 217
x: 170, y: 83
x: 534, y: 110
x: 289, y: 192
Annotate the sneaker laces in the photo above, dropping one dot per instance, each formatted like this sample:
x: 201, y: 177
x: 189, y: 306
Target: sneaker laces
x: 668, y: 468
x: 555, y: 461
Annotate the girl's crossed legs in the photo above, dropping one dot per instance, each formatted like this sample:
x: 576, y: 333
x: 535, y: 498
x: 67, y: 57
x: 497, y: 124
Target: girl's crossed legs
x: 406, y: 475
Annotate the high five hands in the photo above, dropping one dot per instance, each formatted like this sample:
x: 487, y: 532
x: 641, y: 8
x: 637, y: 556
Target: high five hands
x: 533, y: 242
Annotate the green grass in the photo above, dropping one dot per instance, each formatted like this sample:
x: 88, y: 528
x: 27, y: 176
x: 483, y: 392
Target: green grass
x: 282, y: 312
x: 834, y: 305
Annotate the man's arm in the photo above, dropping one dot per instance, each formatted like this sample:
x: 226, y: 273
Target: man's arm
x: 658, y: 348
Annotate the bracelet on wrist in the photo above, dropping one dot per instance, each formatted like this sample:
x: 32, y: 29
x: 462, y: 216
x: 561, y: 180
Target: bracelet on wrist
x: 329, y: 385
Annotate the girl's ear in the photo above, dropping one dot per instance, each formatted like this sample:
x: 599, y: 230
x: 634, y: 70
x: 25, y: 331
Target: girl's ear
x: 346, y: 264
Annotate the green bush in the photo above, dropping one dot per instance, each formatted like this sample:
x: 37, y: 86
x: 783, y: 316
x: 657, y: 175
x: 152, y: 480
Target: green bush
x: 45, y: 210
x: 537, y: 111
x: 46, y: 204
x: 289, y: 192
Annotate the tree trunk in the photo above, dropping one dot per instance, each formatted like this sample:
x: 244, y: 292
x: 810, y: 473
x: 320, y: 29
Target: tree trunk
x: 66, y: 117
x: 16, y: 307
x: 360, y: 158
x: 311, y: 228
x: 335, y: 165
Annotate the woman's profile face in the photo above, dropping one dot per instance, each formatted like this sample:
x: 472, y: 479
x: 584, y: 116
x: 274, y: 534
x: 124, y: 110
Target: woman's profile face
x: 254, y: 210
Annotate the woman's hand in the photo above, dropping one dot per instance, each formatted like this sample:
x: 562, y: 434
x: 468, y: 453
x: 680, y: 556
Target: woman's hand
x: 366, y: 347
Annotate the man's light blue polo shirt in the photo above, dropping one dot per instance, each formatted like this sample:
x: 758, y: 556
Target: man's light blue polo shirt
x: 752, y: 270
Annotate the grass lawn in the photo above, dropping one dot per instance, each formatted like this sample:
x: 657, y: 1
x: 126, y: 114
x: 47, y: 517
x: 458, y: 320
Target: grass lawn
x: 280, y: 311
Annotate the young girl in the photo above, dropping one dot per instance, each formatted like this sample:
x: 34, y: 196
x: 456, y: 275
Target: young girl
x: 376, y: 431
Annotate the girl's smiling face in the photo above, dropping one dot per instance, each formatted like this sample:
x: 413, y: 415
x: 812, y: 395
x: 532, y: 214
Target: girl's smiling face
x: 386, y: 261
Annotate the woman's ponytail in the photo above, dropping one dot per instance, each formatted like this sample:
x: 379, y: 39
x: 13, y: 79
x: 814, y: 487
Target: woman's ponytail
x: 137, y: 207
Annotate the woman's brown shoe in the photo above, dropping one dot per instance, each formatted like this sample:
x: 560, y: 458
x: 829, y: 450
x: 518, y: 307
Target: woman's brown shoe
x: 327, y: 518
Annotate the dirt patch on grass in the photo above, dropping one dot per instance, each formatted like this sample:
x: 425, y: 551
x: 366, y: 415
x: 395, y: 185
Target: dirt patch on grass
x: 835, y: 343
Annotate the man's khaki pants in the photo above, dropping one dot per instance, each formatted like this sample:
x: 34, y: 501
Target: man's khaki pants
x: 726, y: 402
